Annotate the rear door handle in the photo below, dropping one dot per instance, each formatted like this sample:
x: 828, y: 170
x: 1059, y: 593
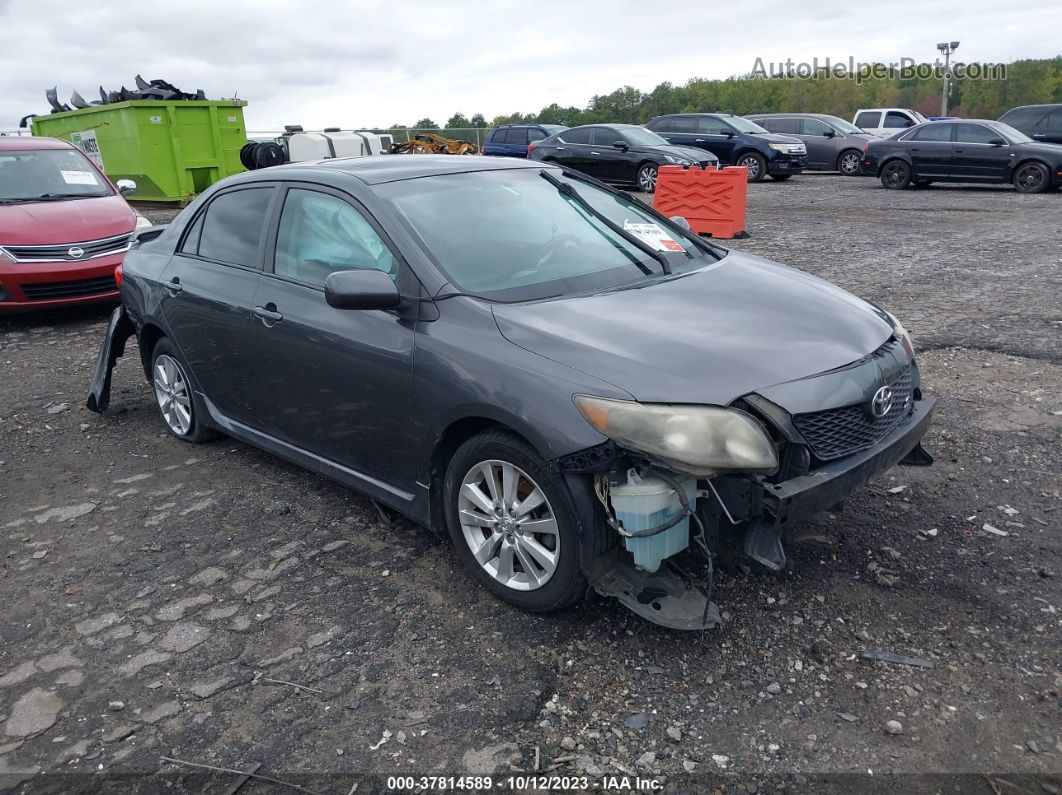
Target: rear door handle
x: 959, y: 151
x: 1039, y: 135
x: 268, y: 314
x: 561, y: 147
x: 173, y: 285
x: 594, y: 153
x: 698, y: 140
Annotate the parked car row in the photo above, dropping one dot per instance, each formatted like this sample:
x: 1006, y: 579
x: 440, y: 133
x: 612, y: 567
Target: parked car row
x: 780, y: 145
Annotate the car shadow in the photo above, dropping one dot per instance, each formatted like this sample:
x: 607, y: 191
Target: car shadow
x: 25, y: 319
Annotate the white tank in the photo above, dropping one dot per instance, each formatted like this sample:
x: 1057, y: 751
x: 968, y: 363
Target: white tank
x: 303, y: 146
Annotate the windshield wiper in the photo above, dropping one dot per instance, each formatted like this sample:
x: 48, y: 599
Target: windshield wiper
x: 46, y: 197
x: 569, y: 191
x: 697, y: 240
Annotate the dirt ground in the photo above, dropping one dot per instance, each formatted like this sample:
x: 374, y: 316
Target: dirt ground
x: 216, y: 605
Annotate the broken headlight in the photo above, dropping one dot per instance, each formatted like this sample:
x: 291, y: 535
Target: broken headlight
x: 697, y: 440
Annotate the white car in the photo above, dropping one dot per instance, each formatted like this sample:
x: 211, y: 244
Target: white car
x: 886, y: 122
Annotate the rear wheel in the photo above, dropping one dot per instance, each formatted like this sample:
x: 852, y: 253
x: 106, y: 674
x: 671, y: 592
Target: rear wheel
x: 174, y: 395
x: 647, y: 177
x: 513, y: 523
x: 896, y: 175
x: 756, y: 165
x: 850, y: 163
x: 1031, y: 178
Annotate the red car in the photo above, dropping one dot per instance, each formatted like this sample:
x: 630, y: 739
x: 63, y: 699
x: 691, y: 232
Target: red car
x: 63, y: 225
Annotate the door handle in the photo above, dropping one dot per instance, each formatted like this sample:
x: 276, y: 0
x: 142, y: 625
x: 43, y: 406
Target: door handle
x: 959, y: 151
x: 174, y: 285
x: 915, y: 149
x: 698, y: 140
x: 561, y: 147
x: 1039, y: 135
x: 595, y: 153
x: 268, y: 314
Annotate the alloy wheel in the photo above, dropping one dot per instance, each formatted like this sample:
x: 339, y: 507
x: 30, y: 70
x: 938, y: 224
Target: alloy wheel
x: 1030, y: 177
x: 850, y: 164
x: 509, y: 525
x: 172, y: 394
x: 895, y: 174
x: 753, y: 165
x: 647, y: 179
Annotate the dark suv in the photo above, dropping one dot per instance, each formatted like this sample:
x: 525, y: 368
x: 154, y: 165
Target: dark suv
x: 736, y: 141
x: 511, y: 140
x: 1042, y: 123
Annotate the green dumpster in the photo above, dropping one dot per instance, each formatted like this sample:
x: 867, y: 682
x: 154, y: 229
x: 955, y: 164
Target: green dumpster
x: 173, y: 150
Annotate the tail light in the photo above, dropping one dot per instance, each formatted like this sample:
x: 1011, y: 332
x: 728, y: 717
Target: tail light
x: 118, y: 275
x: 530, y: 147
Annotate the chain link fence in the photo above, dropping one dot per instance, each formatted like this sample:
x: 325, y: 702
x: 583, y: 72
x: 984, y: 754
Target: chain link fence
x: 400, y: 134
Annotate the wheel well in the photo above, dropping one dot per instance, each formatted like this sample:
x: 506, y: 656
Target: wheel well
x: 1029, y: 160
x: 149, y: 336
x: 455, y: 434
x: 843, y: 152
x: 896, y: 159
x: 749, y: 151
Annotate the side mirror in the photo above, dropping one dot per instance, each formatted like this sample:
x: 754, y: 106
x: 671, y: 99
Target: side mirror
x: 829, y: 134
x: 126, y: 186
x: 361, y: 289
x: 997, y: 142
x: 729, y: 133
x: 680, y: 220
x: 621, y: 145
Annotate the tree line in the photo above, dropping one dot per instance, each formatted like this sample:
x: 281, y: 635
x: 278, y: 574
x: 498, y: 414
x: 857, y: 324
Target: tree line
x: 1027, y: 82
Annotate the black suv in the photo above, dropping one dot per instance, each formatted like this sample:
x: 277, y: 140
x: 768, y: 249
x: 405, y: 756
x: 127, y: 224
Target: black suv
x: 736, y: 141
x: 1042, y: 123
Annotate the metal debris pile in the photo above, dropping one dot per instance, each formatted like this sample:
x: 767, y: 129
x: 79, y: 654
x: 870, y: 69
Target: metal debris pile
x: 155, y: 89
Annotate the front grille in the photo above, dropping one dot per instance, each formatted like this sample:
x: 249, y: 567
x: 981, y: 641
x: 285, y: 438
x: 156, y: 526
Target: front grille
x: 838, y: 432
x: 78, y: 288
x: 60, y: 252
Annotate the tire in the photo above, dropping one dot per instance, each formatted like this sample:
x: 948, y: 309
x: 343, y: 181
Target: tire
x: 895, y: 175
x: 850, y: 163
x: 780, y: 177
x: 169, y: 380
x: 502, y: 541
x: 1031, y: 177
x: 646, y: 178
x: 755, y: 163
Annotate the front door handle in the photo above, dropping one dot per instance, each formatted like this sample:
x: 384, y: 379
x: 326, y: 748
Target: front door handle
x: 698, y: 140
x: 959, y: 151
x: 268, y: 314
x: 595, y: 153
x: 560, y: 147
x: 174, y: 285
x: 1039, y: 135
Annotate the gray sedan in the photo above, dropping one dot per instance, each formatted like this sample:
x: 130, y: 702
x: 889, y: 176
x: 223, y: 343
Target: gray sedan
x: 833, y: 143
x: 579, y: 391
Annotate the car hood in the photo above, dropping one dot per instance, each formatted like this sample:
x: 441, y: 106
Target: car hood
x: 688, y: 152
x: 776, y: 138
x: 709, y: 336
x: 65, y: 221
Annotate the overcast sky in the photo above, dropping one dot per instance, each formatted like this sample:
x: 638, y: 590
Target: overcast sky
x: 370, y: 64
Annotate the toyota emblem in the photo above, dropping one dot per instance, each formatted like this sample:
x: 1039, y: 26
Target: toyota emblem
x: 881, y: 402
x: 76, y: 252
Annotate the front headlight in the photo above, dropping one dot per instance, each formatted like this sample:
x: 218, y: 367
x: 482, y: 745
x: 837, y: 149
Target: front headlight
x: 697, y: 440
x: 905, y: 336
x: 142, y: 222
x: 780, y: 147
x: 679, y: 161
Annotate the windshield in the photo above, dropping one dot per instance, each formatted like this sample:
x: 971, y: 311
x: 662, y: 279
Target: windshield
x: 1011, y: 134
x: 42, y: 174
x: 743, y: 125
x: 842, y: 125
x: 639, y: 136
x: 511, y: 235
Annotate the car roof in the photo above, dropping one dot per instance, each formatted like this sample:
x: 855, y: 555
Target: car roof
x: 1045, y: 105
x: 791, y: 114
x: 28, y: 142
x: 378, y: 169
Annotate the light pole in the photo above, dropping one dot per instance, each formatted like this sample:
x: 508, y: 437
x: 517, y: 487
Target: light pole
x: 946, y: 47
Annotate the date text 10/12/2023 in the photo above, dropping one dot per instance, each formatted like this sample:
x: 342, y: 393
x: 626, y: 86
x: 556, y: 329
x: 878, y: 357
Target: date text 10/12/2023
x: 522, y: 783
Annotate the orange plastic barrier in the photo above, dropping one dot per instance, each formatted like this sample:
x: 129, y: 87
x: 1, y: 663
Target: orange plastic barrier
x: 712, y: 200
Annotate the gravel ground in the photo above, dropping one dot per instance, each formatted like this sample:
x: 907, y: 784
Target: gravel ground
x: 215, y: 605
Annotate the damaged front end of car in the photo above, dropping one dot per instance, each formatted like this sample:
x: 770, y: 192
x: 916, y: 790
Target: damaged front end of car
x: 677, y: 484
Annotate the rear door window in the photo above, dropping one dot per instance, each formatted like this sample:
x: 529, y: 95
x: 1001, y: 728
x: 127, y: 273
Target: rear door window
x: 1053, y: 120
x: 933, y: 132
x: 233, y: 225
x: 787, y: 126
x: 580, y: 135
x: 868, y: 119
x: 518, y: 136
x: 683, y: 124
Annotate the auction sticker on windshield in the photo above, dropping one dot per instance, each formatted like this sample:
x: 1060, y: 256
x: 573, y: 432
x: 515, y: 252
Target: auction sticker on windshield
x: 79, y: 177
x: 653, y: 235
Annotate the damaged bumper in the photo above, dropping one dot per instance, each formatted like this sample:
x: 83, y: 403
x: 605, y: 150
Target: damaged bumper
x: 119, y: 330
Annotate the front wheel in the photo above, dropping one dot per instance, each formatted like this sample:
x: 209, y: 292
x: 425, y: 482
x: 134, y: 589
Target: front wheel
x: 780, y: 177
x: 513, y: 523
x: 1031, y: 178
x: 756, y: 165
x: 896, y: 175
x: 850, y: 163
x: 647, y: 178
